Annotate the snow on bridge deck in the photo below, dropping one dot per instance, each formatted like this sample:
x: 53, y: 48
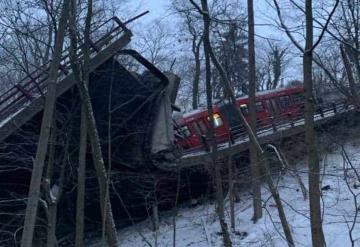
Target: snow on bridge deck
x: 24, y: 100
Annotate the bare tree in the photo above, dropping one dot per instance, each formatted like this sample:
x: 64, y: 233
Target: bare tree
x: 195, y: 48
x: 34, y: 190
x: 255, y: 169
x: 310, y: 135
x: 229, y: 91
x: 55, y: 191
x: 276, y: 59
x: 80, y: 200
x: 218, y: 180
x: 82, y: 77
x: 350, y: 76
x: 155, y: 43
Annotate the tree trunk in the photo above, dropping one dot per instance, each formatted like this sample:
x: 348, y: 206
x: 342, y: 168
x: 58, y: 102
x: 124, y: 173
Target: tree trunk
x: 231, y: 192
x: 255, y: 171
x: 54, y: 199
x: 196, y: 80
x: 350, y: 76
x: 218, y: 180
x: 80, y: 203
x: 36, y: 176
x: 310, y: 135
x: 98, y: 163
x: 51, y: 210
x: 91, y: 124
x: 175, y: 206
x: 79, y: 239
x: 109, y: 123
x: 279, y: 206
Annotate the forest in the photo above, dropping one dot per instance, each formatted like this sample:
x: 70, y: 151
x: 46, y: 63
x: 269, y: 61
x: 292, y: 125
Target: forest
x: 179, y: 123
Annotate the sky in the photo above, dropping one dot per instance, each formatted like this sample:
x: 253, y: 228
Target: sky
x: 157, y: 8
x: 264, y: 14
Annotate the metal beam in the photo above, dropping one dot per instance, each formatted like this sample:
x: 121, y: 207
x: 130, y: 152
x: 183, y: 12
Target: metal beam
x: 37, y: 104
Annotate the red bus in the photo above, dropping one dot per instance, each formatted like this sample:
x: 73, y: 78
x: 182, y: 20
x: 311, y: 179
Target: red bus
x: 192, y: 128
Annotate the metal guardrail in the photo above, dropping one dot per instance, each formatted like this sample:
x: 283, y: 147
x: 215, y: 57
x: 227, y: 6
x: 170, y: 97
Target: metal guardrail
x: 34, y: 84
x: 278, y: 123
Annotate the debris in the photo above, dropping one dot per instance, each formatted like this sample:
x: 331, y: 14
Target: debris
x: 242, y: 235
x: 326, y: 187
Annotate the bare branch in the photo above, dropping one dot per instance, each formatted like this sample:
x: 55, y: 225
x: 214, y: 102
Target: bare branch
x: 198, y: 8
x: 325, y: 26
x: 286, y: 29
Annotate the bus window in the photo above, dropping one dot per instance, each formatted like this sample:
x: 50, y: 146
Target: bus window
x: 202, y: 126
x: 196, y: 128
x: 275, y: 105
x: 298, y: 98
x: 270, y: 107
x: 244, y: 109
x: 217, y: 120
x: 184, y: 131
x: 284, y: 101
x: 259, y: 106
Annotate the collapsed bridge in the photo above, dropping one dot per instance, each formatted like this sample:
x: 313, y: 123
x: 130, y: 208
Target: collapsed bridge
x: 135, y: 100
x: 132, y: 99
x: 25, y: 101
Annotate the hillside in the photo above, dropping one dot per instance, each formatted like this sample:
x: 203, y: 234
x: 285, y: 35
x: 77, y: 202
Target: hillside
x: 199, y: 227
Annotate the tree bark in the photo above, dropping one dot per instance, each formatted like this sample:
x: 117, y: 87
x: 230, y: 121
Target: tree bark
x: 196, y: 79
x: 255, y: 170
x: 79, y: 228
x: 277, y: 199
x: 350, y: 76
x: 310, y: 135
x: 51, y: 213
x: 91, y: 124
x: 218, y: 180
x: 231, y: 192
x: 79, y: 239
x: 53, y: 202
x: 98, y: 163
x: 36, y: 176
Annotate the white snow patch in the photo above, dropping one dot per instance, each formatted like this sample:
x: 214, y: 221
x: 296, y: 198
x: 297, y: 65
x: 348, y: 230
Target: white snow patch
x: 194, y: 226
x: 3, y: 122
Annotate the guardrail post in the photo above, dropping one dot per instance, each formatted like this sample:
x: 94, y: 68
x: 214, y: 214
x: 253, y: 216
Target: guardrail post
x: 24, y: 92
x: 94, y: 46
x: 321, y: 111
x: 291, y: 120
x: 334, y: 107
x: 273, y: 124
x: 63, y: 68
x: 231, y: 136
x: 205, y: 143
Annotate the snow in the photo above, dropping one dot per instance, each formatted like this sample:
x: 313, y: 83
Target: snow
x: 7, y: 119
x: 199, y: 227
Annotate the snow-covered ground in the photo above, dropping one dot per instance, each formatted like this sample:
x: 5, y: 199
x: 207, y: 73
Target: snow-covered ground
x: 199, y: 227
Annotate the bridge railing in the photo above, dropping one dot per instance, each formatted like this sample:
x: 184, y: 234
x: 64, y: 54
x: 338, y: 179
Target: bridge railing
x: 289, y: 120
x: 33, y: 85
x: 284, y: 121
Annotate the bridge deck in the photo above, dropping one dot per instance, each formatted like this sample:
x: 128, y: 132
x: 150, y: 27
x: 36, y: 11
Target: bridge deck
x: 25, y: 99
x: 267, y: 134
